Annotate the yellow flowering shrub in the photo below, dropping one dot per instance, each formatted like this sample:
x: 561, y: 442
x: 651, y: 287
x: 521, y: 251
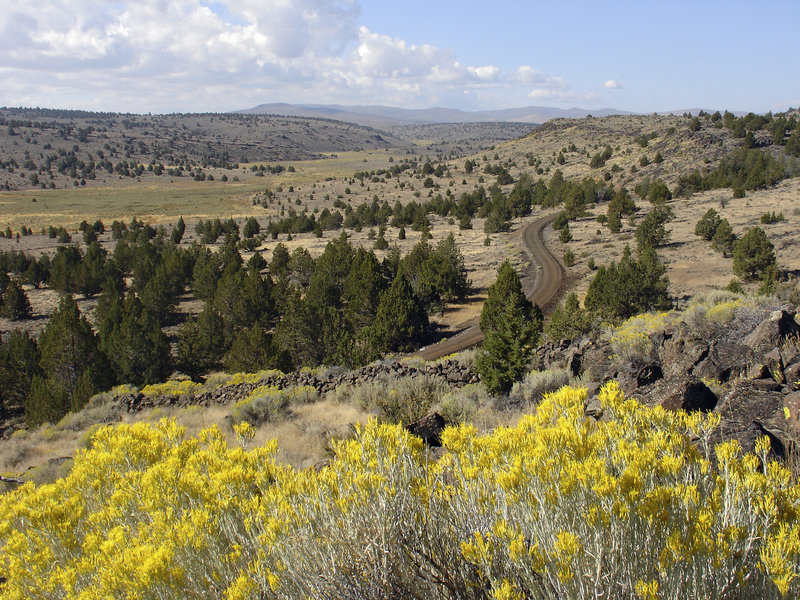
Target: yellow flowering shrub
x: 238, y: 378
x: 638, y: 505
x: 171, y: 388
x: 631, y: 339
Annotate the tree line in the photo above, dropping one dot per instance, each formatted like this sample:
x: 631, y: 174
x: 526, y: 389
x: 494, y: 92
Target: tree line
x: 345, y: 307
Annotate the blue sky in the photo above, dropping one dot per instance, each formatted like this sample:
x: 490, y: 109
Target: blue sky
x: 204, y: 55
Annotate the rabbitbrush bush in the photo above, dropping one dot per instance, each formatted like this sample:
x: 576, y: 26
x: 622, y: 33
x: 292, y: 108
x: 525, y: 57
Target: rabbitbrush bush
x: 559, y: 506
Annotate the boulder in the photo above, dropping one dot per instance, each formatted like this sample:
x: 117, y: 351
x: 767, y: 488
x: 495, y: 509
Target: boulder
x: 429, y: 428
x: 679, y: 356
x: 791, y: 409
x: 769, y: 333
x: 687, y: 393
x: 745, y: 403
x: 792, y: 375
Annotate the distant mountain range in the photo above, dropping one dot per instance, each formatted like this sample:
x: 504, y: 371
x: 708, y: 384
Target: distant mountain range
x: 377, y: 116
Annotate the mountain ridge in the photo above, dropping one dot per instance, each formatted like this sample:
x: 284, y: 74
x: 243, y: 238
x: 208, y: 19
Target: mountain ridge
x: 379, y: 114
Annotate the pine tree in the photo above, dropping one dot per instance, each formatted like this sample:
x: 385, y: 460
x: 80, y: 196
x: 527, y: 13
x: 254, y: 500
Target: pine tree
x: 511, y: 326
x: 252, y: 350
x: 707, y: 225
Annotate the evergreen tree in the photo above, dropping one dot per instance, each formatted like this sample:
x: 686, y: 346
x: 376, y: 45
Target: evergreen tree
x: 632, y: 287
x: 707, y: 225
x: 362, y: 290
x: 252, y: 351
x: 71, y: 358
x: 568, y: 321
x: 251, y: 227
x: 93, y: 270
x: 651, y: 231
x: 137, y: 348
x: 280, y: 260
x: 201, y: 343
x: 205, y: 275
x: 178, y: 231
x: 724, y: 238
x: 511, y: 326
x: 15, y: 305
x: 19, y: 364
x: 401, y: 321
x: 753, y: 254
x: 47, y: 401
x: 65, y: 270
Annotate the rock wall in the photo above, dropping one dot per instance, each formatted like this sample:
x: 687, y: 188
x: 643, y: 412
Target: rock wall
x: 451, y: 372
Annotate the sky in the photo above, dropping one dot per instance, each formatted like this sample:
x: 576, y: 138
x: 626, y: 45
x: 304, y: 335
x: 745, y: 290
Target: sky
x: 165, y: 56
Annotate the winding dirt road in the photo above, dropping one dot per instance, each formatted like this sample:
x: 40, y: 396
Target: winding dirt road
x: 544, y: 271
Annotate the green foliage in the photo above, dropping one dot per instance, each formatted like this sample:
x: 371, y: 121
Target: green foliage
x: 745, y: 169
x: 707, y: 225
x: 137, y: 348
x: 753, y: 254
x: 201, y: 343
x: 14, y: 304
x: 178, y: 231
x: 568, y: 321
x: 652, y: 231
x: 252, y: 351
x: 599, y: 159
x: 251, y: 228
x: 735, y: 286
x: 632, y: 287
x: 565, y: 235
x: 569, y: 258
x: 19, y: 363
x: 770, y: 218
x: 401, y: 321
x: 72, y: 364
x: 511, y: 326
x: 724, y: 238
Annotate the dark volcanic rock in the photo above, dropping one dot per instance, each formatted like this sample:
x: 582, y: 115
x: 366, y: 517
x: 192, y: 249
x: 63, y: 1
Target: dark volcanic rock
x: 429, y: 428
x: 689, y: 394
x: 770, y: 332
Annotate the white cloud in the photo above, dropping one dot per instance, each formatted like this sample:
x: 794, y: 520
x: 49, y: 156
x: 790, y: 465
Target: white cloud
x: 610, y: 85
x: 165, y: 55
x: 529, y: 76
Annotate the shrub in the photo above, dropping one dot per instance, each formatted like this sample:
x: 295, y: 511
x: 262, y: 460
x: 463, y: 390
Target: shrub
x: 569, y: 258
x: 753, y: 254
x: 261, y: 406
x: 770, y: 218
x: 707, y: 225
x: 550, y: 508
x: 538, y: 383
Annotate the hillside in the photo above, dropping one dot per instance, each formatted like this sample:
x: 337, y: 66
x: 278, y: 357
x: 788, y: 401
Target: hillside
x: 54, y: 148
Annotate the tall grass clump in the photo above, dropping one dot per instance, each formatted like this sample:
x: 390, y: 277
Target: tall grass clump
x: 538, y: 383
x: 560, y: 506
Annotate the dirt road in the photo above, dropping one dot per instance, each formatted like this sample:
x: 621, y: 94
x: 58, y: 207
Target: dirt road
x: 545, y: 272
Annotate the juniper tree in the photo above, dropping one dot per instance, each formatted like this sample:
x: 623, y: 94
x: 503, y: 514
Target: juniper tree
x: 753, y: 254
x: 401, y: 321
x: 15, y: 305
x: 511, y: 326
x: 71, y: 360
x: 19, y: 363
